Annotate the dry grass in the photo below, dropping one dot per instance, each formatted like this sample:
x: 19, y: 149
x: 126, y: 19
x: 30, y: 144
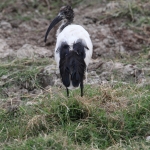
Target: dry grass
x: 112, y: 116
x: 109, y: 99
x: 37, y: 122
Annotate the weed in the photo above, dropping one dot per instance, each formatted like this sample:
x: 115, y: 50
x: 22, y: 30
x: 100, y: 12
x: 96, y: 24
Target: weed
x: 114, y: 116
x: 83, y: 122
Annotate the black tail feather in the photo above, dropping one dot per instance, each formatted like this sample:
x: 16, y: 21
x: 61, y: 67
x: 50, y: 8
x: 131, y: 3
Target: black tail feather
x: 75, y: 79
x: 78, y: 69
x: 64, y: 69
x: 79, y: 48
x: 72, y: 65
x: 65, y: 77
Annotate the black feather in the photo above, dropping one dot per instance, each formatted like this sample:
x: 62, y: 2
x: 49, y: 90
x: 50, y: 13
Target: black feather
x: 79, y: 48
x: 63, y: 50
x: 72, y: 65
x: 77, y: 66
x: 64, y: 69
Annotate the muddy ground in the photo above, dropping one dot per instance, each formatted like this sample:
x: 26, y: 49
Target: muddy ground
x: 120, y: 39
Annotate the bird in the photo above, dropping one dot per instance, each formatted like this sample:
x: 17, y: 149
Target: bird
x: 73, y: 50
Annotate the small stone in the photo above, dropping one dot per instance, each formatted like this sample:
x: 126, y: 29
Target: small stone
x: 31, y: 103
x: 26, y: 26
x: 5, y: 50
x: 5, y: 25
x: 93, y: 73
x: 30, y: 51
x: 4, y: 77
x: 148, y: 139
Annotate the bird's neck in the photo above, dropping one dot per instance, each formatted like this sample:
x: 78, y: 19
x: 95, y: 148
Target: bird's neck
x: 64, y: 24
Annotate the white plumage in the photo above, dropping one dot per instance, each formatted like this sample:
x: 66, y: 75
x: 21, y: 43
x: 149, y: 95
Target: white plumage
x: 71, y: 34
x: 73, y: 49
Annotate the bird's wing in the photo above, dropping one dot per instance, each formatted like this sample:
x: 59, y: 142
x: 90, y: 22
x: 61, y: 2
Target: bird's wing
x: 71, y: 34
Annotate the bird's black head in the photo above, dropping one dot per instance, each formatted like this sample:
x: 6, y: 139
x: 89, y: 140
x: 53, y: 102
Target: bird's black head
x: 66, y: 12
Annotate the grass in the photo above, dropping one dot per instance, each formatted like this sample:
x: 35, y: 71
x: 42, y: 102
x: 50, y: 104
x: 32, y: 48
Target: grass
x: 36, y: 8
x: 133, y: 12
x: 6, y: 3
x: 102, y: 118
x: 115, y: 117
x: 107, y: 117
x: 22, y: 73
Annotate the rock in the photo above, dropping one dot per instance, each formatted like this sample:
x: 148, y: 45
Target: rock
x: 105, y: 44
x: 15, y: 23
x: 148, y: 57
x: 25, y: 26
x: 105, y: 30
x: 11, y: 105
x: 105, y: 70
x: 94, y: 66
x: 50, y: 76
x: 2, y: 83
x: 105, y: 76
x: 51, y: 69
x: 12, y: 91
x: 93, y: 78
x: 5, y: 25
x: 129, y: 69
x: 148, y: 139
x: 4, y: 77
x: 30, y: 51
x: 94, y: 13
x: 31, y: 103
x: 112, y: 5
x: 107, y: 66
x: 46, y: 79
x: 3, y: 45
x: 5, y: 51
x: 1, y: 16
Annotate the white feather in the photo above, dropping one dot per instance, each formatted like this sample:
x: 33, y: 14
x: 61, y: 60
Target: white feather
x: 71, y: 34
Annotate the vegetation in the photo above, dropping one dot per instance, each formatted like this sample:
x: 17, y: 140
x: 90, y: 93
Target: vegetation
x: 115, y: 117
x: 107, y: 116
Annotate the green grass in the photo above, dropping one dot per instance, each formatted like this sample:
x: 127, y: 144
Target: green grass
x: 107, y: 117
x: 22, y: 73
x: 56, y: 120
x: 47, y: 9
x: 6, y: 3
x: 115, y: 117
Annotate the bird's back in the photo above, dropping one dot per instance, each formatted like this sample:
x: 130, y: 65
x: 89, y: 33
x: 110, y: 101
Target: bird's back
x: 71, y: 34
x: 72, y: 69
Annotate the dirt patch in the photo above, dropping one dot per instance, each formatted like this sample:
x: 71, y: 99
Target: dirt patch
x: 23, y: 36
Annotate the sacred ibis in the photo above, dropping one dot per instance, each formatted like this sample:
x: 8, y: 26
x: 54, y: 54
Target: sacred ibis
x: 73, y: 49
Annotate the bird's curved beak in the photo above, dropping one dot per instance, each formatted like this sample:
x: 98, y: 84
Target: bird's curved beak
x: 53, y: 23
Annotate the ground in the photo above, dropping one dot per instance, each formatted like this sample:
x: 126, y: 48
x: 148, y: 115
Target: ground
x: 114, y: 112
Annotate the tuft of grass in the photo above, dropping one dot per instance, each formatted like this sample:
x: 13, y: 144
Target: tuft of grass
x: 18, y: 10
x: 83, y: 122
x: 6, y: 3
x: 21, y: 73
x: 38, y: 122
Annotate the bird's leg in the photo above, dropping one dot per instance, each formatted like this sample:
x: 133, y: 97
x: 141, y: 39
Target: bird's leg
x: 86, y: 74
x: 67, y: 92
x: 81, y: 87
